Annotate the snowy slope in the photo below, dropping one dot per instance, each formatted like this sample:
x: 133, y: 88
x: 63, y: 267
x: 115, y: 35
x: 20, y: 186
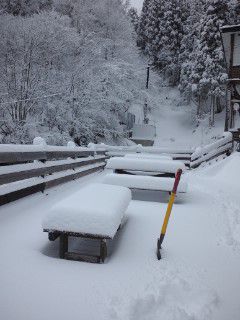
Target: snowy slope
x: 175, y: 126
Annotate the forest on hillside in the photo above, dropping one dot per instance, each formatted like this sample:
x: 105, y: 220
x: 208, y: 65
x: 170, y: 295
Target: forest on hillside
x: 183, y: 42
x: 72, y: 69
x: 69, y: 70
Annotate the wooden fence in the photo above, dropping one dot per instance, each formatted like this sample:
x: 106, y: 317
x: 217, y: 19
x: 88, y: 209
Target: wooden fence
x: 222, y: 146
x: 25, y: 170
x: 183, y: 154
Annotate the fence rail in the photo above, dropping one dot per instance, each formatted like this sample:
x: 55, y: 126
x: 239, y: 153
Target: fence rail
x: 25, y: 170
x: 222, y: 146
x: 183, y: 154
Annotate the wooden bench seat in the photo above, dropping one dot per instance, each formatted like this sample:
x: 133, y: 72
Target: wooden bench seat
x: 145, y: 182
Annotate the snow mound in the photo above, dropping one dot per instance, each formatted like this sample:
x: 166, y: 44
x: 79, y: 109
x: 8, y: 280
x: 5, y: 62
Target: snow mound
x: 96, y: 209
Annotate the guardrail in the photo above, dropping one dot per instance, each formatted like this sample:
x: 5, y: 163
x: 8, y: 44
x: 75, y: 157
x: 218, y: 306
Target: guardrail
x: 224, y: 145
x: 26, y: 169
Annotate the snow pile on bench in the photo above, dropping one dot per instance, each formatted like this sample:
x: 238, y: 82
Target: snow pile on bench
x: 145, y: 182
x: 150, y: 165
x: 147, y: 156
x: 97, y: 209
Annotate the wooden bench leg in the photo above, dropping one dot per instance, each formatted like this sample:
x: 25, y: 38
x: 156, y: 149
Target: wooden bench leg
x: 63, y: 245
x: 103, y: 250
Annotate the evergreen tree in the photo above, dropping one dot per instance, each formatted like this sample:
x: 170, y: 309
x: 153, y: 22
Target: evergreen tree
x: 208, y: 72
x: 142, y: 30
x: 188, y: 48
x: 153, y: 32
x: 134, y: 18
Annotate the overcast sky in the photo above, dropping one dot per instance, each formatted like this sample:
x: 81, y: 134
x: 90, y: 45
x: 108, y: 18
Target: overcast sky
x: 137, y: 4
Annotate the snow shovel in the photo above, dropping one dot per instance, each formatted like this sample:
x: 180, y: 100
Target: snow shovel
x: 168, y: 212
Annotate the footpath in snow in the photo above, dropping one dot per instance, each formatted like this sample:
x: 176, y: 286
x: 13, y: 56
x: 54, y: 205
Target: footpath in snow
x: 174, y: 123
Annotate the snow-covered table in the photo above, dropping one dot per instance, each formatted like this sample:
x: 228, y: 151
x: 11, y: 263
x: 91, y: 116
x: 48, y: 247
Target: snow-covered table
x: 145, y: 173
x: 96, y: 211
x: 155, y: 166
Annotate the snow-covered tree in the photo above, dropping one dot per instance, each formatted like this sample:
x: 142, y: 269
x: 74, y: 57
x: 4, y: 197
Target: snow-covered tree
x: 134, y: 18
x: 208, y: 72
x: 24, y: 7
x: 142, y: 27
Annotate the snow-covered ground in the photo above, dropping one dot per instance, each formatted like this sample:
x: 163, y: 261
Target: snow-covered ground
x: 198, y: 277
x: 175, y: 126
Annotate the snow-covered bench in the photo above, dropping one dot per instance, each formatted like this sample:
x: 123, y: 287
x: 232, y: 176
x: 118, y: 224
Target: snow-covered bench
x: 156, y: 167
x: 145, y: 174
x: 95, y: 211
x: 145, y: 182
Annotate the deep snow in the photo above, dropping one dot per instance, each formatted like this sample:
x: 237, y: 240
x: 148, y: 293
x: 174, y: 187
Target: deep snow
x: 198, y: 277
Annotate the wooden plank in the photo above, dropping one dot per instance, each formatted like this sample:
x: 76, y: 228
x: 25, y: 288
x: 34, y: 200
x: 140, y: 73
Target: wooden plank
x: 63, y: 245
x: 47, y: 169
x: 41, y: 186
x: 82, y: 257
x: 72, y: 176
x: 52, y: 236
x: 19, y: 157
x: 81, y: 235
x: 55, y: 155
x: 18, y: 194
x: 11, y: 157
x: 196, y: 165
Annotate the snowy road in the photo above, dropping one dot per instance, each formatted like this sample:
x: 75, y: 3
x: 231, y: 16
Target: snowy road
x: 198, y: 277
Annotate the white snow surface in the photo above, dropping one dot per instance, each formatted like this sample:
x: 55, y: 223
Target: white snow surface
x: 147, y: 156
x: 89, y: 211
x: 145, y: 164
x: 145, y: 182
x: 198, y: 277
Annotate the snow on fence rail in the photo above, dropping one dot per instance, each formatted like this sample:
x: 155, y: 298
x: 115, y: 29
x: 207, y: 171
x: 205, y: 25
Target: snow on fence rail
x: 222, y: 146
x: 26, y: 169
x: 175, y: 153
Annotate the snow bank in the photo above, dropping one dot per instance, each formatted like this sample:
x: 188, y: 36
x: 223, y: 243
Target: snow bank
x: 147, y: 156
x: 223, y: 180
x: 96, y: 209
x: 145, y: 165
x: 145, y: 182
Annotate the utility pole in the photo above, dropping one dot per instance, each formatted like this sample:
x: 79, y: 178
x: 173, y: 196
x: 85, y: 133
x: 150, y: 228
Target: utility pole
x: 148, y: 71
x: 145, y: 108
